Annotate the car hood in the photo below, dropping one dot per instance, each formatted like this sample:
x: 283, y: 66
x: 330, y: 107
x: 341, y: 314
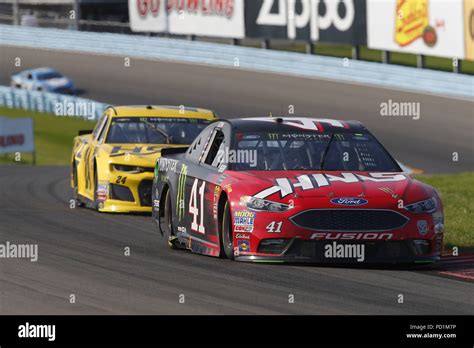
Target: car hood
x: 284, y: 184
x: 143, y: 155
x: 58, y: 82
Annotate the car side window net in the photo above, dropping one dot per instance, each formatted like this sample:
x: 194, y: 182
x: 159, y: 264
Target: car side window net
x: 212, y: 157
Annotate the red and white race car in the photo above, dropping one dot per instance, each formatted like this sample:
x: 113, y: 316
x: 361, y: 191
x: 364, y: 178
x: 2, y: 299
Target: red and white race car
x: 294, y: 189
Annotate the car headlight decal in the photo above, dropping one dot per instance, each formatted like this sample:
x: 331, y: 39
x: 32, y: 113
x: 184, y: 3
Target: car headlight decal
x: 259, y: 204
x: 131, y: 169
x: 425, y: 206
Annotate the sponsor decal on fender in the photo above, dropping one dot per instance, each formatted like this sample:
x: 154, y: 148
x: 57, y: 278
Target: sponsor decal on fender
x: 422, y: 227
x: 244, y: 221
x: 102, y: 190
x: 180, y: 198
x: 244, y: 245
x: 167, y: 164
x: 215, y: 202
x: 242, y: 236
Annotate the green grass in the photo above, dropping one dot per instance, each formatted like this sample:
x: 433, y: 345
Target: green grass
x: 457, y: 193
x: 338, y: 50
x: 53, y: 137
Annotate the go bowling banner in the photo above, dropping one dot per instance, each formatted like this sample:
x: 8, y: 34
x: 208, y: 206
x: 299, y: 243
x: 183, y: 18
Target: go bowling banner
x: 213, y: 18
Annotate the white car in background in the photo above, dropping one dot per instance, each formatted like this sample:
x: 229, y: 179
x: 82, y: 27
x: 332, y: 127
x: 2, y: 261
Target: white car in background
x: 43, y: 79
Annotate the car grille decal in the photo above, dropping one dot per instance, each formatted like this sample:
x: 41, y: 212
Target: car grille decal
x: 350, y: 220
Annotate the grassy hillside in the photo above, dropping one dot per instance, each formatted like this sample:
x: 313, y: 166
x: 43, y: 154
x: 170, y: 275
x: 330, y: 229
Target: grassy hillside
x: 457, y: 193
x: 340, y: 50
x: 53, y: 137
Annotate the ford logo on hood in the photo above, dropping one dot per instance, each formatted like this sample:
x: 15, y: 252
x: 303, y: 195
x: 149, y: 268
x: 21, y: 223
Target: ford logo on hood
x: 352, y: 201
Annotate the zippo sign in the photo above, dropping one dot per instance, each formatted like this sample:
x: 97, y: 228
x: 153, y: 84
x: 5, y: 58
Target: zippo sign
x: 214, y: 18
x: 16, y: 135
x: 428, y: 27
x: 341, y: 21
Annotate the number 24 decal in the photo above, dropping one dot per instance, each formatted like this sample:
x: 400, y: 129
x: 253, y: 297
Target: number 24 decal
x: 121, y: 179
x: 193, y: 207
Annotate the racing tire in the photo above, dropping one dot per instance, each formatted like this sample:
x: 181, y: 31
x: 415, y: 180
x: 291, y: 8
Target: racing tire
x: 167, y: 227
x: 155, y: 212
x: 95, y: 203
x: 226, y: 236
x: 75, y: 194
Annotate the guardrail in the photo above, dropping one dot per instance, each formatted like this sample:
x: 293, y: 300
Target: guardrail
x: 154, y: 48
x: 56, y: 104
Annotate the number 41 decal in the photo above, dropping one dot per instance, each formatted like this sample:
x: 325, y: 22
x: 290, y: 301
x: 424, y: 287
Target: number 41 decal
x: 274, y: 227
x: 193, y: 207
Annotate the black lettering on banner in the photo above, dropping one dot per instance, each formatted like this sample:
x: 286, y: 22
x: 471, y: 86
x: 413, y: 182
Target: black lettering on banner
x: 339, y: 21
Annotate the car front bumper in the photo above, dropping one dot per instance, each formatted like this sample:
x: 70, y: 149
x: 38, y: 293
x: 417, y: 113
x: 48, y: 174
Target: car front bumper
x: 379, y: 252
x: 130, y: 195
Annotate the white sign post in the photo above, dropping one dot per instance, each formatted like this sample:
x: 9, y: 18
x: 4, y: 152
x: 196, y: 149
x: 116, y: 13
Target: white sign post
x: 17, y: 136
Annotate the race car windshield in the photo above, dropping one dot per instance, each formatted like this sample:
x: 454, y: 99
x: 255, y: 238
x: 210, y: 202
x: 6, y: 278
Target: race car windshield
x: 313, y: 151
x: 49, y: 76
x: 154, y: 130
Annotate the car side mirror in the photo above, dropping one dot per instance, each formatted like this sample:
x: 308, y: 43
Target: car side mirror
x: 84, y: 132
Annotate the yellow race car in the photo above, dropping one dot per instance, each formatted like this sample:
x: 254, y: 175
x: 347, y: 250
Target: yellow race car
x: 112, y: 166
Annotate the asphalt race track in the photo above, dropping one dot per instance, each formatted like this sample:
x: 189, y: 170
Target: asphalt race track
x: 81, y: 252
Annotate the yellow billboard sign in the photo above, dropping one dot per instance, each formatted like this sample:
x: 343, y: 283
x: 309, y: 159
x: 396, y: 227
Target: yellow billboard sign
x: 411, y: 20
x: 469, y: 29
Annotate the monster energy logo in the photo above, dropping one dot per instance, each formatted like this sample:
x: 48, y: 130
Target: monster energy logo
x: 273, y: 136
x: 181, y: 191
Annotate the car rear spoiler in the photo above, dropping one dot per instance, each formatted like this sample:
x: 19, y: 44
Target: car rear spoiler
x: 85, y: 131
x: 173, y: 150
